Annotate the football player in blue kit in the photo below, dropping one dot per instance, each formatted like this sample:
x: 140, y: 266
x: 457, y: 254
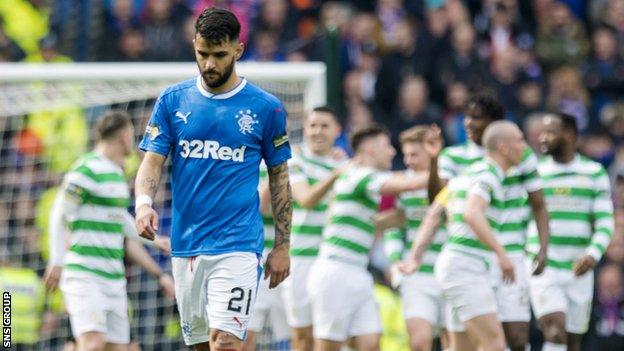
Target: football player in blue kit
x: 217, y: 128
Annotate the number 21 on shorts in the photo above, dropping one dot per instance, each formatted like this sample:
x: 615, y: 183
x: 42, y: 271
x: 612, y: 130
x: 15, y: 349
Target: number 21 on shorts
x: 236, y: 301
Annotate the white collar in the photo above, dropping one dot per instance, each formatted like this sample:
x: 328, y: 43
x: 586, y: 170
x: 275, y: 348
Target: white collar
x: 220, y: 96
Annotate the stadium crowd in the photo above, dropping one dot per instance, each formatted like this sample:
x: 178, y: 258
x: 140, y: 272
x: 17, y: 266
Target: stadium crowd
x: 402, y: 63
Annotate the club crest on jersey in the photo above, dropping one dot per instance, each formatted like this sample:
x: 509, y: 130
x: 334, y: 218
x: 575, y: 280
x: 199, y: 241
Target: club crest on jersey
x: 246, y: 120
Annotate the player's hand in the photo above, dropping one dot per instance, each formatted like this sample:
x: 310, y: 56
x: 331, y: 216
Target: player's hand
x: 583, y: 264
x: 408, y: 267
x: 52, y: 276
x: 433, y: 142
x: 146, y: 222
x: 539, y: 263
x: 507, y: 268
x: 338, y: 153
x: 168, y: 287
x: 277, y: 265
x: 163, y: 244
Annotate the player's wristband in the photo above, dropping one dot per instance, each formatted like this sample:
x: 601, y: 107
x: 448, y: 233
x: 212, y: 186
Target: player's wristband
x: 143, y: 200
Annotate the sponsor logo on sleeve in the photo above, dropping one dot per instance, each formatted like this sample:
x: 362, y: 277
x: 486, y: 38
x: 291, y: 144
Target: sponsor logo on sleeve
x: 152, y: 131
x: 280, y: 140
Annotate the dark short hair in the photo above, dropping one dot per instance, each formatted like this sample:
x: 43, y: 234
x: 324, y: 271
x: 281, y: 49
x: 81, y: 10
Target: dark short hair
x: 568, y: 122
x: 110, y: 123
x: 488, y: 105
x: 362, y: 134
x: 328, y: 110
x: 217, y: 25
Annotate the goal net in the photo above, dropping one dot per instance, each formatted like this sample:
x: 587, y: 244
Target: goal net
x: 46, y: 118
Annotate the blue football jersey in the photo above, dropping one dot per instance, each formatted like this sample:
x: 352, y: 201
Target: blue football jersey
x: 216, y: 142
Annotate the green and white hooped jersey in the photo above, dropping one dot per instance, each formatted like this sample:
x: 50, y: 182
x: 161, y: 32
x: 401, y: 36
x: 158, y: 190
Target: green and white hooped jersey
x: 268, y: 224
x: 307, y: 224
x: 484, y: 179
x: 398, y: 241
x: 350, y: 230
x: 519, y: 181
x: 578, y: 200
x: 97, y: 227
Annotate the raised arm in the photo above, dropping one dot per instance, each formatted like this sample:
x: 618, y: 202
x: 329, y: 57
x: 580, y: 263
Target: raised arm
x: 399, y: 182
x: 433, y: 146
x: 309, y: 196
x: 278, y: 261
x: 145, y: 187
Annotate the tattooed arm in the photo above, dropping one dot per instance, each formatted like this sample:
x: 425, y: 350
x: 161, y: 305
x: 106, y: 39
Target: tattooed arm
x: 145, y: 187
x: 278, y: 261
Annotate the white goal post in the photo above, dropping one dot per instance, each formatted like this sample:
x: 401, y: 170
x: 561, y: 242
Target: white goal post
x: 311, y: 74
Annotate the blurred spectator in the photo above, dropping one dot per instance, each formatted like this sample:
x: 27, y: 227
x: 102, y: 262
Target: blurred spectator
x: 611, y: 13
x: 163, y: 32
x: 187, y: 48
x: 598, y: 146
x: 612, y: 117
x: 25, y: 22
x: 561, y: 38
x: 501, y: 25
x: 265, y: 47
x: 27, y: 300
x: 607, y: 323
x: 64, y: 134
x: 505, y: 77
x: 604, y: 71
x: 413, y: 108
x: 357, y: 88
x: 390, y: 14
x: 529, y: 97
x: 438, y: 27
x: 460, y: 62
x: 530, y: 68
x: 120, y: 18
x: 456, y: 12
x: 9, y: 50
x: 48, y: 51
x: 358, y: 115
x: 362, y: 36
x: 405, y: 58
x: 457, y: 95
x: 275, y: 16
x: 568, y: 94
x: 131, y: 46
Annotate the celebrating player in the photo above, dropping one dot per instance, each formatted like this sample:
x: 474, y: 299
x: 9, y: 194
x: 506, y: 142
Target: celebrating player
x: 474, y: 205
x: 313, y: 171
x: 341, y: 289
x: 92, y: 204
x: 421, y: 296
x: 217, y: 128
x: 522, y: 194
x: 578, y: 198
